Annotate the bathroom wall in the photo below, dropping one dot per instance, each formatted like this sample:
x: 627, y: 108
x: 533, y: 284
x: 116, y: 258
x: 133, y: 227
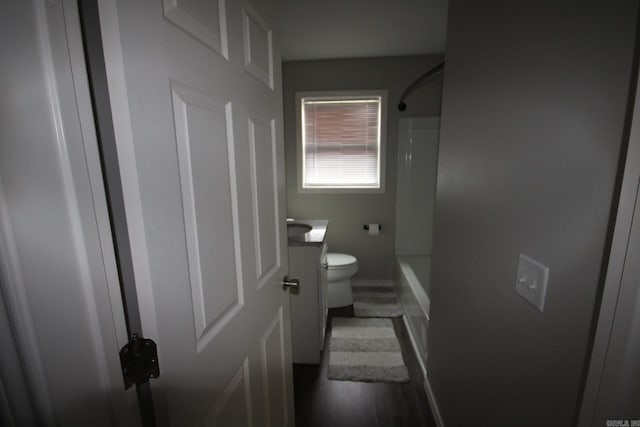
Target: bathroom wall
x: 347, y: 213
x: 532, y: 128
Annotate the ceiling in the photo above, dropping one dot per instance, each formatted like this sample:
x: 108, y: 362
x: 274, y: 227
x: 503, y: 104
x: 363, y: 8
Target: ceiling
x: 319, y: 29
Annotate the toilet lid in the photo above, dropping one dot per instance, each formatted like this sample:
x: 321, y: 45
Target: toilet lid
x: 335, y: 260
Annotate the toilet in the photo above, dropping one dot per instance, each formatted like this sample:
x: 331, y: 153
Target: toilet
x: 340, y: 269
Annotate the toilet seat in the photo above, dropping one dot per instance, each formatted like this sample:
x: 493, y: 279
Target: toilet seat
x: 336, y: 261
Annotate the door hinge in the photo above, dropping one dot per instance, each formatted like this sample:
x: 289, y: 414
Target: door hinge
x: 139, y: 361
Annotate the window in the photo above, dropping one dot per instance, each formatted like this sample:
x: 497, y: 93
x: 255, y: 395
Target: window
x: 341, y: 141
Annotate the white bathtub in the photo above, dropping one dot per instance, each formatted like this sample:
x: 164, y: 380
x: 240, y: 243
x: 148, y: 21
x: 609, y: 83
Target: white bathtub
x: 413, y: 274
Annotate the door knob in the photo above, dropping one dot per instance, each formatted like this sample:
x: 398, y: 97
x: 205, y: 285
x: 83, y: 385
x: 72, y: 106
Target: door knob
x: 292, y: 284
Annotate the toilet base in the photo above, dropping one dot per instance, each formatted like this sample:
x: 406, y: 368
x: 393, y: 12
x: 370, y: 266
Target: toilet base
x: 339, y: 294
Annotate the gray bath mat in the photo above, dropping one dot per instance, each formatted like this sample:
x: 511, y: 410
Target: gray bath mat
x: 375, y: 301
x: 365, y: 350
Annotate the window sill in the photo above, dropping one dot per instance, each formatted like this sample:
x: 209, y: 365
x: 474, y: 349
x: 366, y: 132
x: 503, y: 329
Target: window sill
x: 341, y: 190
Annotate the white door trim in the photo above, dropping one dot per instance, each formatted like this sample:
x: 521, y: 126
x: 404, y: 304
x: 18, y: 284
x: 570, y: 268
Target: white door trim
x: 93, y: 283
x: 17, y: 310
x: 615, y: 271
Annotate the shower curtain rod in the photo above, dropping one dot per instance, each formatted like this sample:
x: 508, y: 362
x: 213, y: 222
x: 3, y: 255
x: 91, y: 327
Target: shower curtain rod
x: 402, y: 106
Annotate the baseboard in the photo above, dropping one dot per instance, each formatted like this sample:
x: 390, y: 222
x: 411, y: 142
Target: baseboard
x: 427, y: 385
x: 414, y: 344
x: 432, y: 402
x: 373, y: 282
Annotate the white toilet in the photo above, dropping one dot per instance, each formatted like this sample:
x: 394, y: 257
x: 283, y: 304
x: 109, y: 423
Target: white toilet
x: 341, y: 267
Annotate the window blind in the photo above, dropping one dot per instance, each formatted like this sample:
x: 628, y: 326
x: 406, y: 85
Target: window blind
x: 341, y: 143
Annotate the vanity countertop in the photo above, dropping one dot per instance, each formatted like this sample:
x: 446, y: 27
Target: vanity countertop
x: 314, y: 237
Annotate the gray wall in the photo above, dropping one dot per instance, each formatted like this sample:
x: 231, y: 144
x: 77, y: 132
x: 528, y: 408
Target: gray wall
x: 347, y: 213
x: 532, y: 123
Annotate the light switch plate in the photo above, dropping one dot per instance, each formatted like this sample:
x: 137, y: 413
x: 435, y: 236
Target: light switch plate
x: 531, y: 281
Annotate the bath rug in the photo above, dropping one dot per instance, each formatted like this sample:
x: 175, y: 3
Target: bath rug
x: 375, y: 301
x: 365, y: 350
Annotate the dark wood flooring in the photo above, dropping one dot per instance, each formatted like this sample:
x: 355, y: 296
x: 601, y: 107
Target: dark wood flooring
x: 320, y: 402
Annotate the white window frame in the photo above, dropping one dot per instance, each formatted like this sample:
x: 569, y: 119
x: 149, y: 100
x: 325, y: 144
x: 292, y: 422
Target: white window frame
x: 382, y: 154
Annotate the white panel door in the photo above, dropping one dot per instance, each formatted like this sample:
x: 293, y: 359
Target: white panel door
x: 197, y: 107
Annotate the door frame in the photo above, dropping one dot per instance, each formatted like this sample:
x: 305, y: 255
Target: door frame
x: 69, y: 101
x: 99, y: 83
x: 608, y: 311
x: 131, y: 218
x: 16, y: 404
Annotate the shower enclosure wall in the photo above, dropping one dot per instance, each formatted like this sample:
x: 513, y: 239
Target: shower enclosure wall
x: 417, y: 172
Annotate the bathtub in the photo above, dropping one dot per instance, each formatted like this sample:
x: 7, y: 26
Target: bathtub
x: 413, y: 277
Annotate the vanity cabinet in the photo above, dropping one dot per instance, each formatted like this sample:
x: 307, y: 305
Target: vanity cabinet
x: 309, y: 306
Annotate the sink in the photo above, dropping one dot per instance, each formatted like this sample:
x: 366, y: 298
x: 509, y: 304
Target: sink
x: 294, y: 230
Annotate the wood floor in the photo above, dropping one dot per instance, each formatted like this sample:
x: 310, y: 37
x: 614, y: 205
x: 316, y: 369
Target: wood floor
x: 320, y: 402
